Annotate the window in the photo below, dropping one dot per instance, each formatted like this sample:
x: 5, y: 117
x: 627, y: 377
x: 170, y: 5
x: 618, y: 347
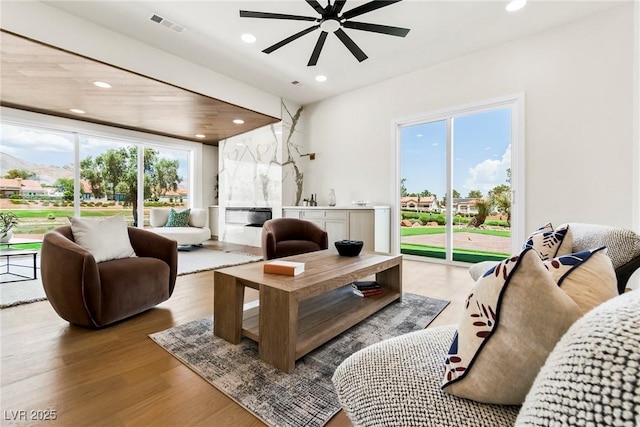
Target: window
x: 459, y: 167
x: 114, y: 175
x: 36, y: 178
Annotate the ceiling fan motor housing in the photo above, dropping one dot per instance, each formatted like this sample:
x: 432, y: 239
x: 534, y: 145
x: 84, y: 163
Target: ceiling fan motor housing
x: 330, y: 25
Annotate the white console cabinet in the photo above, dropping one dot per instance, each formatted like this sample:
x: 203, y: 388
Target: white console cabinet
x: 371, y: 224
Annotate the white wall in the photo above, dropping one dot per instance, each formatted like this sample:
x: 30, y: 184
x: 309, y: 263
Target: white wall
x: 53, y: 26
x: 209, y: 172
x: 578, y: 81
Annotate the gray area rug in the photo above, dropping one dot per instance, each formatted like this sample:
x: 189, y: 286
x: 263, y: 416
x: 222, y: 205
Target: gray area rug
x: 305, y: 397
x: 28, y: 291
x: 24, y: 291
x: 203, y: 259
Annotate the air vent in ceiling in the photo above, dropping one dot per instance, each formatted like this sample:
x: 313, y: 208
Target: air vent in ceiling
x: 166, y: 23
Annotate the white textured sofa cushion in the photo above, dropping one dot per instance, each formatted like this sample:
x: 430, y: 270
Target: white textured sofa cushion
x: 592, y: 377
x: 397, y: 383
x: 622, y: 245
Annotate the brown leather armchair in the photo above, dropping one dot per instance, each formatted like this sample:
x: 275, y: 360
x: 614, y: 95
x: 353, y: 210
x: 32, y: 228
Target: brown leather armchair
x: 94, y: 295
x: 283, y: 237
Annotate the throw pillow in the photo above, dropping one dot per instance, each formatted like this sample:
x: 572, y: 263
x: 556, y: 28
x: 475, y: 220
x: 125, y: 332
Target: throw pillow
x: 550, y: 243
x: 587, y: 277
x: 591, y: 376
x: 178, y: 219
x: 106, y: 238
x: 513, y: 318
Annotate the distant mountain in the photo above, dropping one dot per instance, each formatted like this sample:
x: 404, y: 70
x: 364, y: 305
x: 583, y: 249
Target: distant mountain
x: 46, y: 174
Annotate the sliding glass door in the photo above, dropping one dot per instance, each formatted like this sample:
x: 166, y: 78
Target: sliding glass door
x: 456, y: 186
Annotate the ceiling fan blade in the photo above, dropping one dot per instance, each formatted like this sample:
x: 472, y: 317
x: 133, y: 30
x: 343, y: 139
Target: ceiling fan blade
x: 314, y: 4
x: 337, y: 6
x: 351, y: 45
x: 316, y: 51
x: 367, y: 7
x: 268, y: 15
x: 290, y: 39
x: 376, y: 28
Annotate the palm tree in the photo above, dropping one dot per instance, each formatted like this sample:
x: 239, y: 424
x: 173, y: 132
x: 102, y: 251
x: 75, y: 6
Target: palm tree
x: 484, y: 207
x: 503, y: 204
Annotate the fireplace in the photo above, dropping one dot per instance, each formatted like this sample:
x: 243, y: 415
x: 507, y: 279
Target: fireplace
x: 247, y: 216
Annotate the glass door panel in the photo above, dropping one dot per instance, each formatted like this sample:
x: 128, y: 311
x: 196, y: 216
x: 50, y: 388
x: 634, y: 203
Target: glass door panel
x: 423, y: 189
x: 465, y: 156
x: 481, y: 186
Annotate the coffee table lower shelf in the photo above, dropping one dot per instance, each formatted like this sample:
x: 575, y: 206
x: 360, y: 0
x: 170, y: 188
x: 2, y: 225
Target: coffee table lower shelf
x: 324, y: 317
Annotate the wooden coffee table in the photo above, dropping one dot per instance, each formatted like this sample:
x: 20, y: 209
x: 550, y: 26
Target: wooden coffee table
x: 297, y: 314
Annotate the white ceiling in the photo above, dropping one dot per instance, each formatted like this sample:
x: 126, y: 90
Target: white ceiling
x: 440, y: 30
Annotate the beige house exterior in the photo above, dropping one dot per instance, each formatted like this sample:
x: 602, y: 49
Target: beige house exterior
x: 24, y: 187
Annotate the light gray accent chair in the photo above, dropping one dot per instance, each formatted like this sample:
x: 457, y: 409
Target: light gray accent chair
x: 397, y: 382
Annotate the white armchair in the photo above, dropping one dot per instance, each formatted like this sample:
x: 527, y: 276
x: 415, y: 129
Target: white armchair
x: 194, y: 234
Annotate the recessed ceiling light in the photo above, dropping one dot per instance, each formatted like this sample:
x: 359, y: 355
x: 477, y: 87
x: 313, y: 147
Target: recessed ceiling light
x: 77, y: 111
x: 321, y: 78
x: 248, y: 38
x: 199, y: 135
x: 103, y: 85
x: 516, y: 5
x: 238, y: 121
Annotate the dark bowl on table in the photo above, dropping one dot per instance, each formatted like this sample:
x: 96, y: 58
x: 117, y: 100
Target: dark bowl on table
x: 349, y: 247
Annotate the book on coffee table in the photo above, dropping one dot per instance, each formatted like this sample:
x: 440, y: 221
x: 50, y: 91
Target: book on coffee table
x: 366, y: 285
x: 369, y: 293
x: 367, y: 288
x: 287, y: 268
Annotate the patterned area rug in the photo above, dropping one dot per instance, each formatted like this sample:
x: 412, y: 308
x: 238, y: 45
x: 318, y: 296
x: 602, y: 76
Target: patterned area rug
x: 305, y: 397
x: 193, y: 261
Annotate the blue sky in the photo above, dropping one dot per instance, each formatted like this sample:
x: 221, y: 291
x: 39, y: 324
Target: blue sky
x: 45, y: 147
x: 481, y: 152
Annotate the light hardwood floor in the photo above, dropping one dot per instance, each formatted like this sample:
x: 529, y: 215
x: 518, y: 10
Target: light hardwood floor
x: 119, y: 377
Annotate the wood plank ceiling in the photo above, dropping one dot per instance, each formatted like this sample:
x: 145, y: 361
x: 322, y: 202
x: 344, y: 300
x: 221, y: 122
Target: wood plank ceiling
x: 45, y: 79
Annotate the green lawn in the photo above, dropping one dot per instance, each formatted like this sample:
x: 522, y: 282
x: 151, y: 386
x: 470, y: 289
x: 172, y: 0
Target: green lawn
x: 39, y: 221
x: 463, y: 255
x: 35, y: 246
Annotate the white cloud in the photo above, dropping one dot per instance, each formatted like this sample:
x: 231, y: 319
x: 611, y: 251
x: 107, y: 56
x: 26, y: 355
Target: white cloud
x: 489, y: 173
x: 17, y: 141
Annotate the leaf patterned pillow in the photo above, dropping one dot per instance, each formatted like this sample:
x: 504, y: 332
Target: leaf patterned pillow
x: 178, y: 219
x: 550, y: 243
x: 513, y: 318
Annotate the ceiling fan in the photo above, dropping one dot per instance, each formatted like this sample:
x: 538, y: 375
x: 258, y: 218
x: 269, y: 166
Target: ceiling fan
x: 332, y: 20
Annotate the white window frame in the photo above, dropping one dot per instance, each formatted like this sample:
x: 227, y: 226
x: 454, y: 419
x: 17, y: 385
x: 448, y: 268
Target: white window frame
x: 517, y: 104
x: 140, y: 139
